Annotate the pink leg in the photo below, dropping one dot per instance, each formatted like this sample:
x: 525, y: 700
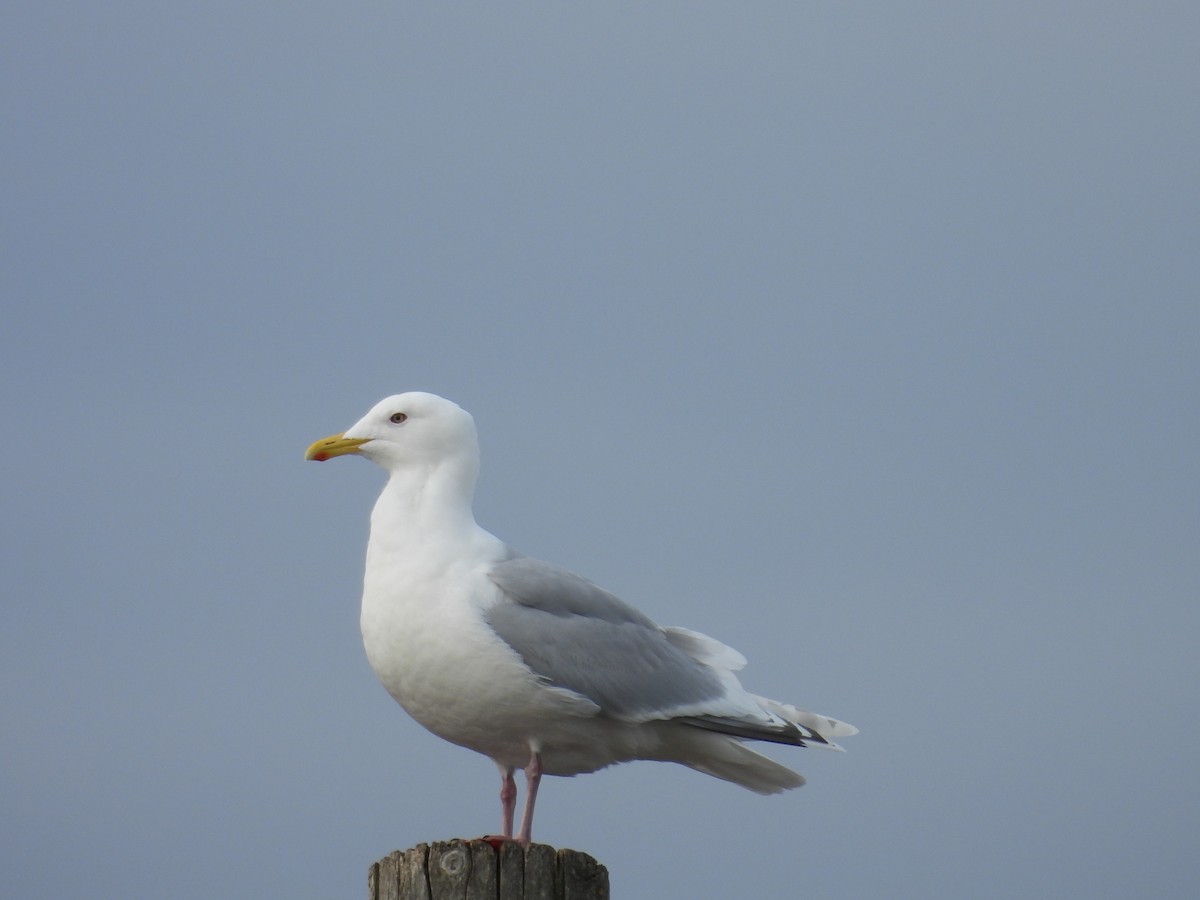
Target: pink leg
x: 508, y: 800
x: 533, y: 777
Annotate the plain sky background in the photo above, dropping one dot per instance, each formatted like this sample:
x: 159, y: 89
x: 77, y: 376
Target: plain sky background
x: 864, y: 337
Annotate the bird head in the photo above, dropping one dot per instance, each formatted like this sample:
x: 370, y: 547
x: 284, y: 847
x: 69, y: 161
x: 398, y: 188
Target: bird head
x: 405, y: 430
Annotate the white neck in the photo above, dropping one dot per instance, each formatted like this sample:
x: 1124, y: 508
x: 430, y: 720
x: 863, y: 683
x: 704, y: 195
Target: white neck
x: 423, y: 507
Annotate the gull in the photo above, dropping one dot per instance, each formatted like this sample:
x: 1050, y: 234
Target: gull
x: 526, y: 662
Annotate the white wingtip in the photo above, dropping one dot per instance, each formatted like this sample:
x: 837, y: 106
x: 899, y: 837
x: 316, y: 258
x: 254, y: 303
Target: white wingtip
x: 822, y: 725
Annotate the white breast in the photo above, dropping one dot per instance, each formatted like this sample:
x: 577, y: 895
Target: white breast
x: 429, y: 645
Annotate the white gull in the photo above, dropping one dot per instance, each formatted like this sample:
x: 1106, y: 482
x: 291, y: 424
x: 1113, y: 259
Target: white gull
x: 523, y: 661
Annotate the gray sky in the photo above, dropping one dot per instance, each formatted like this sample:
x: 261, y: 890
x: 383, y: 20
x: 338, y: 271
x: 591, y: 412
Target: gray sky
x: 861, y: 336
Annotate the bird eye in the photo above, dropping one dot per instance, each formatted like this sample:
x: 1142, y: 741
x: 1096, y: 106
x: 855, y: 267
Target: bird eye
x: 397, y: 418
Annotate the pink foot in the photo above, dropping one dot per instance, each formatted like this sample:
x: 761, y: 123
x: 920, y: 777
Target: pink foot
x: 497, y: 840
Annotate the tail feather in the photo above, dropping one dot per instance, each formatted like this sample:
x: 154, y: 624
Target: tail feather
x: 729, y: 759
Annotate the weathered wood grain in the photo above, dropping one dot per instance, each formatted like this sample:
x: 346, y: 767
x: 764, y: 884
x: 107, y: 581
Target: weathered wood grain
x: 512, y: 870
x: 477, y: 870
x: 582, y: 878
x: 540, y: 863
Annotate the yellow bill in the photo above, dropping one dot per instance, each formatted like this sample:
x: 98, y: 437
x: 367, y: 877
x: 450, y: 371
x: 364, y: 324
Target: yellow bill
x: 334, y: 445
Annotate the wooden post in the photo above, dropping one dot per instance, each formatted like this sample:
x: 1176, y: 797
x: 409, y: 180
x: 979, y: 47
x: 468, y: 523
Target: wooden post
x: 476, y: 870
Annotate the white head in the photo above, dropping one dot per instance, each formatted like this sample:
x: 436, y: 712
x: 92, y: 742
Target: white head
x: 408, y: 431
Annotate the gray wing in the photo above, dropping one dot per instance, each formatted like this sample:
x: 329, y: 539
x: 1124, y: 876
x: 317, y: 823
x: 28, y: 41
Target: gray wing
x: 576, y: 635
